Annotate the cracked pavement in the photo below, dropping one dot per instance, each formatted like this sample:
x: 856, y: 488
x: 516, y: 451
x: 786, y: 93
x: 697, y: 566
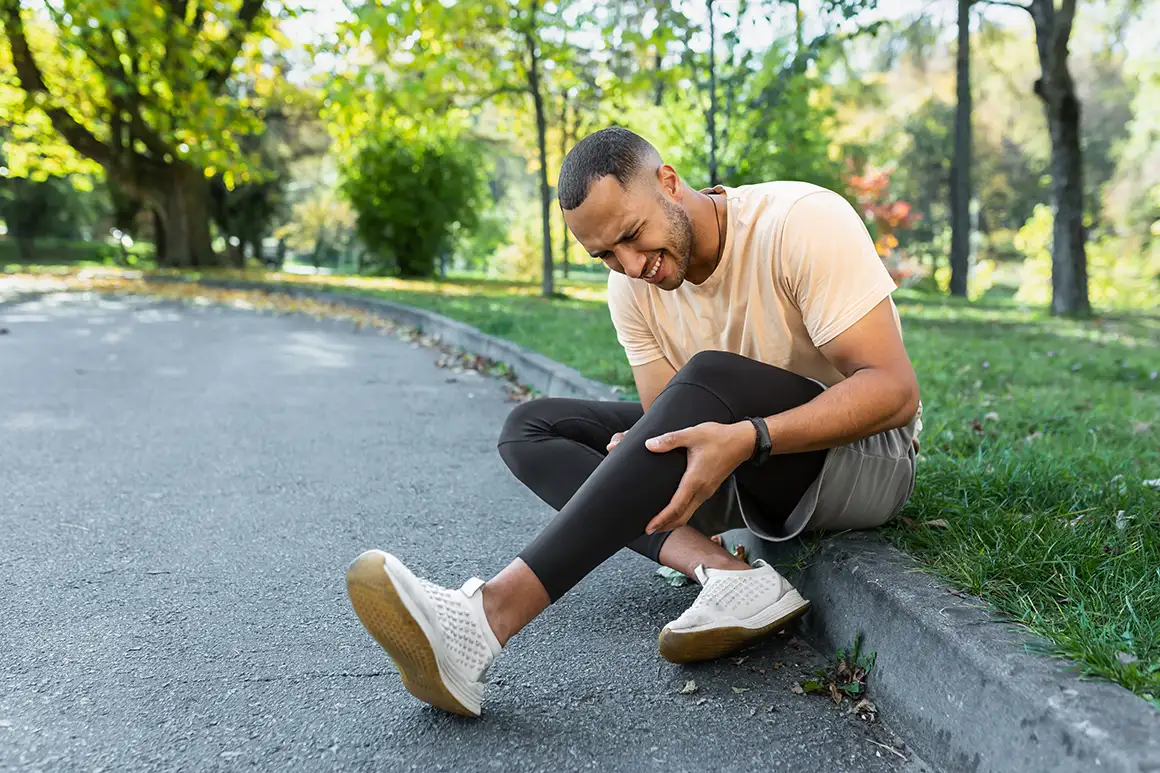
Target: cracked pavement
x: 183, y: 488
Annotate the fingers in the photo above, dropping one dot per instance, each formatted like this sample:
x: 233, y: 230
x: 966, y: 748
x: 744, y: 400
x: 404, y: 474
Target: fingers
x: 668, y: 441
x: 615, y: 440
x: 678, y: 511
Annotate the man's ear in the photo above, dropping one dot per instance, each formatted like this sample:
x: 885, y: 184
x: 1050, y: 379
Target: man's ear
x: 670, y: 182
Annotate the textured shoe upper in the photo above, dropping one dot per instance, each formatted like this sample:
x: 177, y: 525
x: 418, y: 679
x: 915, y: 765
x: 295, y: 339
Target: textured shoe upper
x: 460, y: 624
x: 727, y: 594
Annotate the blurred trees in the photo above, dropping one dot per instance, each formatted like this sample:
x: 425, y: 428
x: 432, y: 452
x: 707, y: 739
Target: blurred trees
x: 849, y: 94
x: 146, y: 90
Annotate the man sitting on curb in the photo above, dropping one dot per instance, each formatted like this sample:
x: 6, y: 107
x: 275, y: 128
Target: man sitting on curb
x: 776, y: 395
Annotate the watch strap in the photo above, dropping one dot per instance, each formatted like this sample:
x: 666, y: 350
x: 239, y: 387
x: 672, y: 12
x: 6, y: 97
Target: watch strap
x: 764, y: 444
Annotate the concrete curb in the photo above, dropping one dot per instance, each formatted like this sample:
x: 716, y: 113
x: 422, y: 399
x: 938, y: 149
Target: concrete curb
x: 533, y: 369
x: 967, y: 688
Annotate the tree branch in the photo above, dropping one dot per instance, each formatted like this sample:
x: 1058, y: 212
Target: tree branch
x: 1003, y: 2
x: 232, y: 45
x: 32, y: 81
x: 1065, y: 18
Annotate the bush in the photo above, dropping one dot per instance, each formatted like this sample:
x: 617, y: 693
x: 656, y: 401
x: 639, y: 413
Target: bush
x: 412, y: 195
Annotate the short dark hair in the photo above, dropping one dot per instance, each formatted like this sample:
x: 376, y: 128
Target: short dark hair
x: 613, y: 151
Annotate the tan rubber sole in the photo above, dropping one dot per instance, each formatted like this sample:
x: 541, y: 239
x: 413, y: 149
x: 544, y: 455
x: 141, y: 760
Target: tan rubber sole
x: 377, y: 603
x: 708, y: 645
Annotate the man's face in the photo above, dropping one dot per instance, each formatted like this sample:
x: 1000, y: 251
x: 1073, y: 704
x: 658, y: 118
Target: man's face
x: 637, y: 231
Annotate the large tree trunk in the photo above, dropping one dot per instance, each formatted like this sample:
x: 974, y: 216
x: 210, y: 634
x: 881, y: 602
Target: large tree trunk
x: 961, y: 166
x: 1069, y: 282
x: 181, y: 198
x: 547, y: 285
x: 712, y: 117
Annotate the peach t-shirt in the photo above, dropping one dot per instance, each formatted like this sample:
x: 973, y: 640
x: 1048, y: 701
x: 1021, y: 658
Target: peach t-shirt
x: 798, y: 268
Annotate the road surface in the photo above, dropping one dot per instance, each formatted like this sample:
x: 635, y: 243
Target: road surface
x: 183, y: 488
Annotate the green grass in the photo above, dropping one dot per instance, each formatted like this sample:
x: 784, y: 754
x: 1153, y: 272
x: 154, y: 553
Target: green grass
x: 1038, y: 436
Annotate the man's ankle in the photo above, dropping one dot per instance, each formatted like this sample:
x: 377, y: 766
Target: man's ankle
x: 728, y: 562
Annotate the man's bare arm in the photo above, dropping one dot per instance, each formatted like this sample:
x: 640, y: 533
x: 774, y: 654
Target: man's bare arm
x: 880, y: 391
x: 651, y: 379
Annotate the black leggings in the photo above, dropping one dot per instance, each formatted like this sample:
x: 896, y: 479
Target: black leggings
x: 557, y: 447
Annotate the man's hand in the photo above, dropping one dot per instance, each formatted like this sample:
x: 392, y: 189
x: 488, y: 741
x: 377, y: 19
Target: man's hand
x: 714, y: 452
x: 619, y: 436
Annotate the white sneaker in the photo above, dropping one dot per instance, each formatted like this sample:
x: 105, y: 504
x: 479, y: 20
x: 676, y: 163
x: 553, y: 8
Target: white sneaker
x: 733, y: 609
x: 439, y: 638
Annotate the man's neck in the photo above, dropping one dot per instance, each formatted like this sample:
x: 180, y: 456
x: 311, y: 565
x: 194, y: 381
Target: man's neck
x: 706, y: 212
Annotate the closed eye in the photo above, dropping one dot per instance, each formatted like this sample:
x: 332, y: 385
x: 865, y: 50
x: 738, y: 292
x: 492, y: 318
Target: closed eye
x: 627, y: 237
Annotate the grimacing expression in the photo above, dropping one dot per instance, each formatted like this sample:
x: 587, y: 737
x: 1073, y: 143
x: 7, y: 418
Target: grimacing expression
x: 636, y: 231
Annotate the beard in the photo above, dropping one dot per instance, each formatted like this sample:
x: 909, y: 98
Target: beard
x: 681, y: 238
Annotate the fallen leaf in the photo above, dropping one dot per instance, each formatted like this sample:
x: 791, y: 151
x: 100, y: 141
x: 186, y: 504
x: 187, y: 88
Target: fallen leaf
x: 977, y: 426
x: 1153, y: 483
x: 835, y: 694
x: 739, y: 661
x: 1126, y: 658
x: 937, y: 523
x: 740, y: 690
x: 991, y: 416
x: 1140, y: 427
x: 1121, y: 520
x: 689, y: 688
x: 777, y: 666
x: 797, y: 689
x: 1036, y: 435
x: 907, y: 521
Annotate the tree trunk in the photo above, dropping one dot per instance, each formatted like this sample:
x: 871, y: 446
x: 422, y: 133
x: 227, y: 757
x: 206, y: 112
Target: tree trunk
x: 182, y: 201
x: 160, y: 248
x: 712, y: 117
x: 565, y: 138
x: 797, y: 22
x: 547, y: 285
x: 961, y: 166
x: 1069, y: 281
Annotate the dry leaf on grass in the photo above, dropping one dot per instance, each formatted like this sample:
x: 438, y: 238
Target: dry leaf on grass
x: 689, y: 688
x: 937, y: 523
x: 1126, y: 658
x: 991, y: 416
x: 1140, y: 427
x: 1153, y: 483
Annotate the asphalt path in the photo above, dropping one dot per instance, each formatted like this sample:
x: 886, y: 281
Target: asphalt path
x: 181, y: 490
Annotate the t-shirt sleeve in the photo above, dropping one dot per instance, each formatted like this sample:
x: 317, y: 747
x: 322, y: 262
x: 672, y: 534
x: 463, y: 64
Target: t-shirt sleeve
x: 640, y: 345
x: 829, y: 265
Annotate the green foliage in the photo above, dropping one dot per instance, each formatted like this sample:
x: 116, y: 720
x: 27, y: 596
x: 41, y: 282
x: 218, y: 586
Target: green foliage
x: 1123, y: 273
x: 411, y: 193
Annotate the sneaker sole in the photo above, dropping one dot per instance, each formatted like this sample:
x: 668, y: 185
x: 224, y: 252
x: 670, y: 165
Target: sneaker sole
x: 712, y: 643
x: 383, y: 613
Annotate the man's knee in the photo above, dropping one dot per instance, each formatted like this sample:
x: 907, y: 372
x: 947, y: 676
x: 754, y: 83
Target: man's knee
x: 711, y: 368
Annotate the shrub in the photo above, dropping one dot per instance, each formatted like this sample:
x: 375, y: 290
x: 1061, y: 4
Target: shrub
x: 412, y: 195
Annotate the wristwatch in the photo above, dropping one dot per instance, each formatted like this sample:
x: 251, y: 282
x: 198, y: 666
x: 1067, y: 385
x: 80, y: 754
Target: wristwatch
x: 764, y: 444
